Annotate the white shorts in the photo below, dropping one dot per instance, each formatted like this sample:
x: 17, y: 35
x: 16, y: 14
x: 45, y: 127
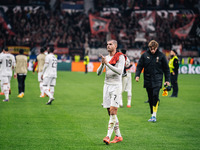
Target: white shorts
x: 49, y: 81
x: 39, y: 77
x: 5, y: 79
x: 127, y: 83
x: 111, y: 95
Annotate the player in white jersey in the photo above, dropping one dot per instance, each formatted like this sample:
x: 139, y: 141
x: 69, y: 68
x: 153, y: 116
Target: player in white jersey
x: 114, y: 64
x: 127, y: 80
x: 7, y: 61
x: 1, y: 93
x: 49, y: 75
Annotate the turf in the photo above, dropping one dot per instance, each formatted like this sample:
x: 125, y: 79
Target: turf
x: 77, y: 121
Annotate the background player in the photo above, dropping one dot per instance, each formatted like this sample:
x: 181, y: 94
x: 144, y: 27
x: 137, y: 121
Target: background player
x: 49, y: 75
x: 7, y: 61
x: 127, y: 80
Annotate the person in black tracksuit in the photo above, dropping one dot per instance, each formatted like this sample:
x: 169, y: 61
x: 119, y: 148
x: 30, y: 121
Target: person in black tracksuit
x: 155, y: 65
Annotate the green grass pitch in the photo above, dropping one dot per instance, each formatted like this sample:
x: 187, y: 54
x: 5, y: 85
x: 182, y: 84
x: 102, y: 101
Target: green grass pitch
x: 77, y: 121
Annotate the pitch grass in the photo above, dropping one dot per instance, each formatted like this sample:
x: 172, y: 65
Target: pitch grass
x: 76, y: 119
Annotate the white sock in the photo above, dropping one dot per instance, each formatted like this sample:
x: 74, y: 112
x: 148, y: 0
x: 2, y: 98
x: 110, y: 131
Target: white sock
x: 116, y: 128
x: 6, y: 91
x: 9, y: 85
x: 129, y: 100
x: 120, y: 101
x: 154, y: 114
x: 41, y: 88
x: 46, y: 91
x: 52, y: 90
x: 111, y: 125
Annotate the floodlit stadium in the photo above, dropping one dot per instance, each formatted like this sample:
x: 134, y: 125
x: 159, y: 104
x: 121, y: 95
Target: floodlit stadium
x: 77, y: 32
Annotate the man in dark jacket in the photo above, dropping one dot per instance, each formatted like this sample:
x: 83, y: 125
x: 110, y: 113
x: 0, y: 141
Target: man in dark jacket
x: 155, y: 64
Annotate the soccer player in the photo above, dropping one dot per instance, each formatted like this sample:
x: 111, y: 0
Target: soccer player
x: 155, y: 65
x: 7, y: 62
x: 126, y: 80
x: 1, y: 93
x: 114, y: 64
x: 40, y: 65
x: 20, y: 72
x: 49, y: 75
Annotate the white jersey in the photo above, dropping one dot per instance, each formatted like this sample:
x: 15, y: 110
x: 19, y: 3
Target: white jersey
x: 51, y: 62
x: 113, y: 73
x: 128, y: 63
x: 7, y: 64
x: 1, y: 65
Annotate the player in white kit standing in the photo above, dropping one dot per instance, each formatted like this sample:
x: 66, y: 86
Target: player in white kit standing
x: 127, y: 80
x: 114, y: 64
x: 7, y: 62
x: 49, y: 75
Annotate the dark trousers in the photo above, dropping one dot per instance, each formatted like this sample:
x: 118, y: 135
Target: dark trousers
x: 21, y: 82
x: 174, y: 84
x: 153, y: 95
x: 86, y: 69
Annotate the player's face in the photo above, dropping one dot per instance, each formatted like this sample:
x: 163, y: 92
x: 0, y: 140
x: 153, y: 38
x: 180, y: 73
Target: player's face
x: 153, y: 50
x: 110, y: 46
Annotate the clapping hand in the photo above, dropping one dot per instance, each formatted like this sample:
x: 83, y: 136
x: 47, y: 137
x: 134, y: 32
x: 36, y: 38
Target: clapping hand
x: 103, y: 59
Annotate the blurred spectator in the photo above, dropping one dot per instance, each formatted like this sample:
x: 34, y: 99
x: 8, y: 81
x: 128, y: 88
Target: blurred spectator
x: 59, y: 28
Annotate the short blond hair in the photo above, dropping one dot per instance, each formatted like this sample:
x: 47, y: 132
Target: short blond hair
x: 113, y: 41
x: 153, y: 44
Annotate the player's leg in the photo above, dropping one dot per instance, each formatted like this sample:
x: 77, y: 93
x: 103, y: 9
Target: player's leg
x: 52, y: 85
x: 113, y: 113
x: 116, y: 127
x: 46, y: 83
x: 111, y: 125
x: 1, y: 93
x: 129, y: 90
x: 41, y: 84
x: 106, y: 104
x: 9, y: 79
x: 41, y: 89
x: 5, y: 88
x: 120, y: 96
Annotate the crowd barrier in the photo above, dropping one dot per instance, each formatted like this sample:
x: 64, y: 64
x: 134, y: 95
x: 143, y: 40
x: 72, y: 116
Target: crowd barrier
x: 93, y: 66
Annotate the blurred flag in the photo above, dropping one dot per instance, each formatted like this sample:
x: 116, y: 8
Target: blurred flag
x: 148, y: 23
x: 98, y: 24
x: 184, y: 31
x: 5, y: 23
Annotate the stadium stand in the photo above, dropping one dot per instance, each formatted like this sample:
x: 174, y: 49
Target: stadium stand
x: 44, y: 27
